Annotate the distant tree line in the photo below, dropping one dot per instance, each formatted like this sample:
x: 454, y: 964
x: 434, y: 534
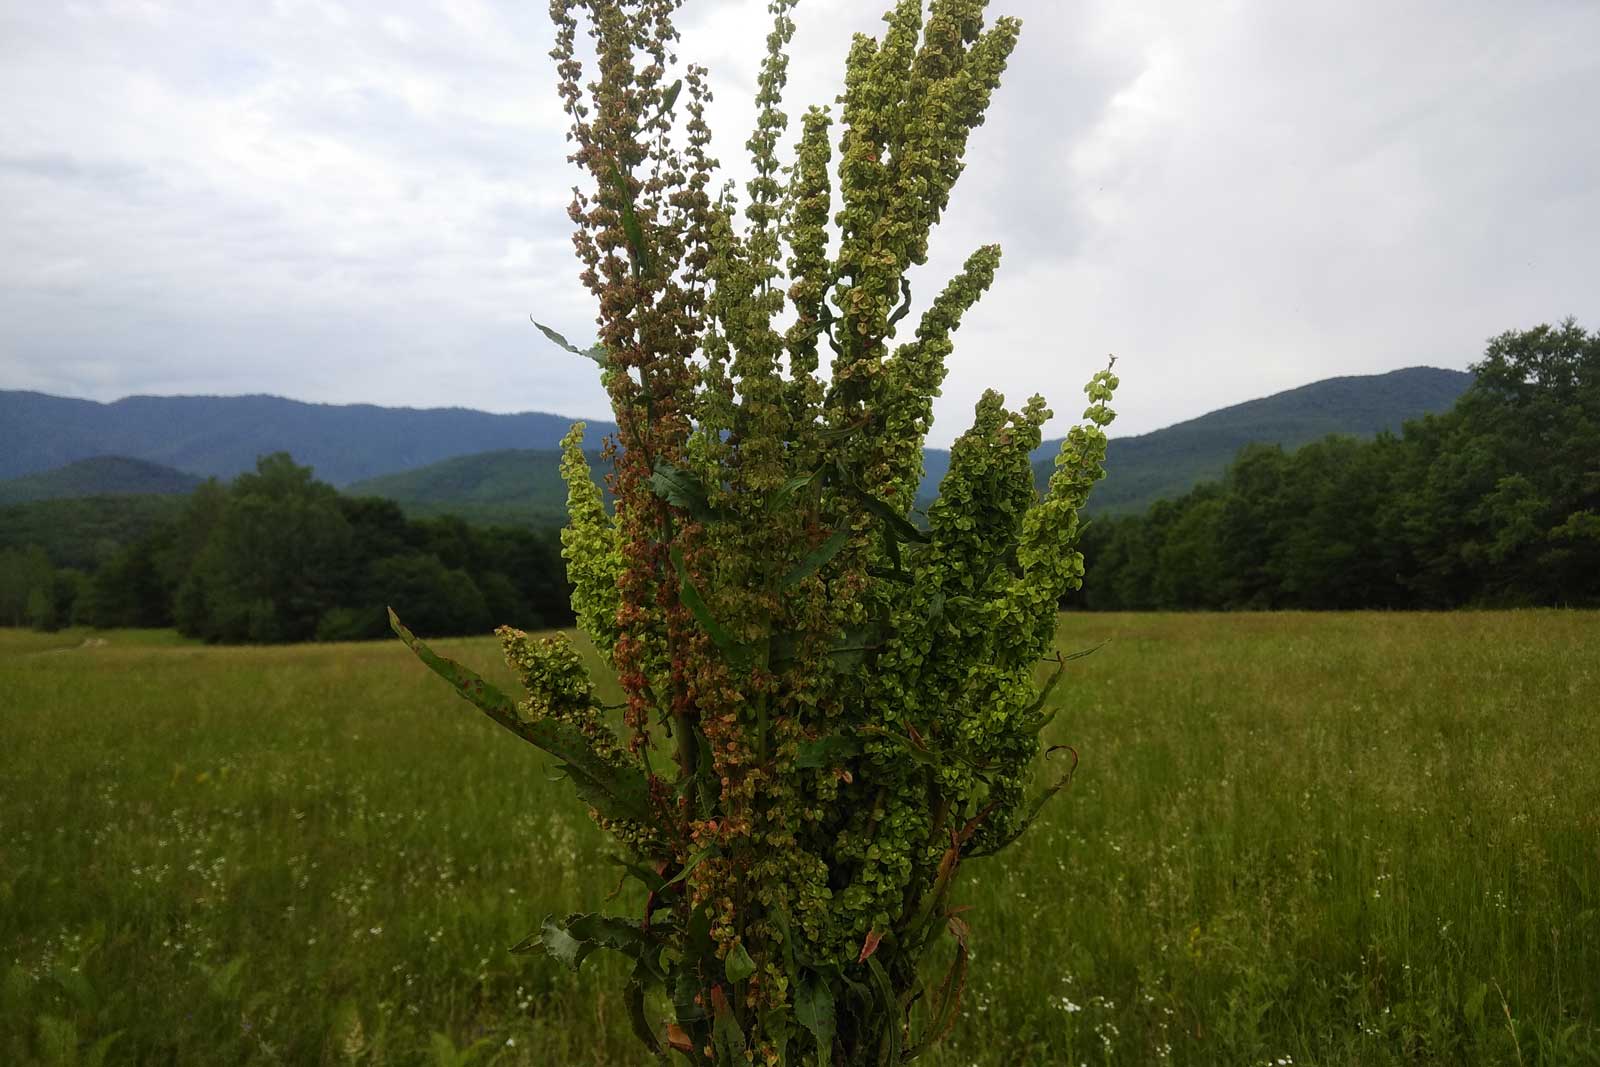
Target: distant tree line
x: 1496, y: 502
x: 279, y: 556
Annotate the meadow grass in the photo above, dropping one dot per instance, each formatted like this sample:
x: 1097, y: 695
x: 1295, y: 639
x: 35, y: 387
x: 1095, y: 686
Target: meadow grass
x: 1317, y: 839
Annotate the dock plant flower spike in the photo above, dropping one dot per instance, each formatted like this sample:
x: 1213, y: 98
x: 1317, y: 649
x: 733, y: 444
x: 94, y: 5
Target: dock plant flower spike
x: 833, y: 702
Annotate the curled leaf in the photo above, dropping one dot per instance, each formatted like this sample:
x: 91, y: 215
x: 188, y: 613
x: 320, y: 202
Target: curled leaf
x: 680, y: 488
x: 738, y: 966
x: 596, y: 352
x: 670, y: 97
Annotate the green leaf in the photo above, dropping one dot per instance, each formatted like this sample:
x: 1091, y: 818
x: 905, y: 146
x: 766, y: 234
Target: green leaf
x: 778, y: 1026
x: 650, y: 879
x: 615, y: 790
x: 738, y: 965
x: 847, y: 658
x: 630, y: 221
x: 818, y: 557
x: 813, y: 1009
x: 690, y: 864
x: 679, y: 488
x: 670, y: 97
x: 685, y: 990
x: 785, y: 492
x: 596, y: 353
x: 555, y: 940
x: 727, y: 1037
x: 1038, y: 805
x: 918, y: 751
x: 944, y: 1006
x: 854, y: 644
x: 891, y: 546
x: 465, y: 680
x: 883, y: 992
x: 896, y: 523
x: 706, y: 782
x: 835, y: 434
x: 609, y: 931
x: 690, y: 596
x: 1082, y: 652
x: 633, y: 998
x: 889, y: 574
x: 571, y: 940
x: 1033, y: 715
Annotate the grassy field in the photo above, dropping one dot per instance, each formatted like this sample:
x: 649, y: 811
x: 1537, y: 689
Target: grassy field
x: 1317, y: 839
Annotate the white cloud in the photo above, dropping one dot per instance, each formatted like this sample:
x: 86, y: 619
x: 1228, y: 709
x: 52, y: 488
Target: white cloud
x: 361, y: 202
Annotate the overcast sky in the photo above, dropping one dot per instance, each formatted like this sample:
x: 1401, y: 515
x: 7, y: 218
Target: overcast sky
x: 348, y: 202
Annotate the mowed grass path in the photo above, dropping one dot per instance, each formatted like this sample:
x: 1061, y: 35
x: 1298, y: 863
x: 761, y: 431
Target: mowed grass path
x: 1317, y: 839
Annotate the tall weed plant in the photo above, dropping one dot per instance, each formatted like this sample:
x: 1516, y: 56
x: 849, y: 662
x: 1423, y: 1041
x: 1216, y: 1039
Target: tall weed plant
x: 831, y: 704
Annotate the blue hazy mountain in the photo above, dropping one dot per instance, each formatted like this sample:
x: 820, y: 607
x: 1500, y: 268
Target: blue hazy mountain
x: 223, y: 436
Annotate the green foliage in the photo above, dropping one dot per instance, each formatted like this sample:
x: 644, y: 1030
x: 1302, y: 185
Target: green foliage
x: 86, y: 533
x: 276, y: 556
x: 437, y: 599
x: 25, y: 574
x: 1495, y: 502
x: 35, y: 593
x: 273, y: 559
x: 849, y: 695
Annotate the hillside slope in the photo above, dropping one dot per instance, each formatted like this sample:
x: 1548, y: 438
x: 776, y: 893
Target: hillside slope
x: 223, y: 436
x: 511, y: 486
x: 524, y: 486
x: 1169, y: 462
x: 98, y: 476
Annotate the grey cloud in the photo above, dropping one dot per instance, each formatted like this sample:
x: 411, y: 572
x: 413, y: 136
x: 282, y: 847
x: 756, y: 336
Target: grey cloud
x: 66, y: 167
x: 362, y: 202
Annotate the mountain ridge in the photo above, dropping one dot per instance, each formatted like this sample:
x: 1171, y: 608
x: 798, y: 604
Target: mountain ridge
x: 212, y: 436
x: 520, y: 483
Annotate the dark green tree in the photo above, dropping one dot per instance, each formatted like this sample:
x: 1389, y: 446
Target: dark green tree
x: 448, y: 598
x: 277, y: 557
x: 27, y: 587
x: 1496, y: 501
